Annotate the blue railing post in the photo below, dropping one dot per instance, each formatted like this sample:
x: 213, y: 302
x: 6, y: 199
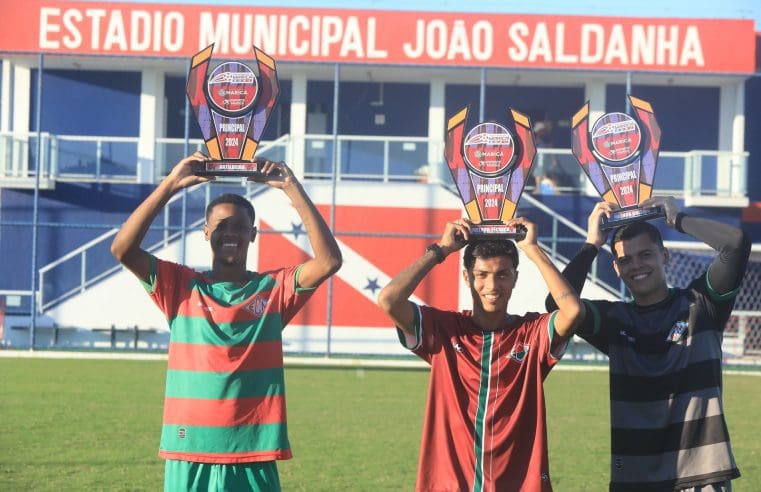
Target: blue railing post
x: 334, y: 185
x: 36, y: 206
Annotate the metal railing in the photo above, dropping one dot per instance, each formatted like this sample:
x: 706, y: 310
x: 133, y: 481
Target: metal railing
x: 717, y: 174
x: 91, y: 262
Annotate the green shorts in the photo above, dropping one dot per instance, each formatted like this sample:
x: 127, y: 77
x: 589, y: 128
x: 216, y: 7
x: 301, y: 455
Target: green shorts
x: 208, y: 477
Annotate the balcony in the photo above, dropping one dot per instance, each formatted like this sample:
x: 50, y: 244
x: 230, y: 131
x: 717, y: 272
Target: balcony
x: 702, y: 178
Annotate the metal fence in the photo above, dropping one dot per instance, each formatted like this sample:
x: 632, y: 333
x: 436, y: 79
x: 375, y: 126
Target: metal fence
x: 715, y: 174
x: 102, y: 159
x: 743, y: 331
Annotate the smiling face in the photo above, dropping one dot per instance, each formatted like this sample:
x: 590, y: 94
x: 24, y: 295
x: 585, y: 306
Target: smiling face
x: 230, y: 230
x: 640, y: 264
x: 491, y: 282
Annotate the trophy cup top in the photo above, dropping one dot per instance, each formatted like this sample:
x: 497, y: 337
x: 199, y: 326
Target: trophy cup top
x: 619, y: 154
x: 616, y: 138
x: 232, y: 88
x: 490, y: 165
x: 489, y: 149
x: 232, y: 103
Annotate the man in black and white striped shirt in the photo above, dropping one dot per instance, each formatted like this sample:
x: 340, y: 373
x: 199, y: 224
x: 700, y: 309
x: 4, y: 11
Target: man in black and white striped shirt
x: 668, y: 430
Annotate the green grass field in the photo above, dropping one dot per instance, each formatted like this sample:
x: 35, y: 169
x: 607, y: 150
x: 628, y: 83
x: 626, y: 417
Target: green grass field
x: 94, y: 425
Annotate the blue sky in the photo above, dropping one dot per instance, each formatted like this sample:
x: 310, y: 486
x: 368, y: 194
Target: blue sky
x: 733, y: 9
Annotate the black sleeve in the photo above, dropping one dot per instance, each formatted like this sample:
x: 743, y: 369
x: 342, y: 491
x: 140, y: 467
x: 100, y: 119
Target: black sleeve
x: 576, y: 272
x: 726, y: 271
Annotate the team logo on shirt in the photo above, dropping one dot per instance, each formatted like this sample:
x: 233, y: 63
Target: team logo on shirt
x: 458, y: 348
x: 519, y: 352
x: 629, y: 338
x: 677, y: 331
x: 256, y: 306
x: 181, y: 433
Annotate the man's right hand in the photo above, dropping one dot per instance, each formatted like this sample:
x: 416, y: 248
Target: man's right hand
x: 183, y: 175
x: 595, y: 235
x: 455, y: 236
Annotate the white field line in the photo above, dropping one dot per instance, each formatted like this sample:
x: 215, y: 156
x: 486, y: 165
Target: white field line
x: 318, y: 361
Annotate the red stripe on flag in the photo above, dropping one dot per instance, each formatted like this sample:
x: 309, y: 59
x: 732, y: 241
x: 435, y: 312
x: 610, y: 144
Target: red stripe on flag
x: 216, y: 358
x: 230, y: 412
x: 390, y: 255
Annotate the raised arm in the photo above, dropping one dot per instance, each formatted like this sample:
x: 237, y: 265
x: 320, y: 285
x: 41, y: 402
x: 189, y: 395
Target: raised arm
x: 126, y: 245
x: 726, y: 271
x: 577, y: 269
x: 394, y: 297
x: 327, y: 256
x: 570, y: 309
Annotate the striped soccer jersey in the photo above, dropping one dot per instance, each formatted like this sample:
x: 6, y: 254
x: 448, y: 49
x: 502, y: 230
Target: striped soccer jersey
x: 485, y: 415
x: 225, y: 391
x: 667, y: 421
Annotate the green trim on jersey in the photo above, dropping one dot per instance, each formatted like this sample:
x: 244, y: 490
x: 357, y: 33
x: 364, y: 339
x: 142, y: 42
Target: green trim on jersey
x: 551, y: 326
x: 720, y: 297
x: 296, y: 288
x: 551, y: 333
x: 151, y: 284
x: 481, y: 411
x: 418, y: 324
x: 241, y: 384
x: 595, y: 316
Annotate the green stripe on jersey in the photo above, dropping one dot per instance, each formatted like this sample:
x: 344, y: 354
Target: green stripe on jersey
x: 232, y: 439
x: 224, y: 385
x: 187, y: 329
x: 481, y: 411
x: 231, y: 293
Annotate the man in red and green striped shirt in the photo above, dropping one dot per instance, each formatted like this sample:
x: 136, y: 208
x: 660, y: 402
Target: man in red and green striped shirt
x: 224, y: 408
x: 485, y: 426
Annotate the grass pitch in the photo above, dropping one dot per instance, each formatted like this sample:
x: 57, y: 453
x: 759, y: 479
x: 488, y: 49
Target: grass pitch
x: 95, y: 424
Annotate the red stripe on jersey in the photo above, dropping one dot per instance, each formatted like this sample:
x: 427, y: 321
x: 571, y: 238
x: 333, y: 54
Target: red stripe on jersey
x: 217, y: 358
x: 225, y: 413
x: 226, y: 458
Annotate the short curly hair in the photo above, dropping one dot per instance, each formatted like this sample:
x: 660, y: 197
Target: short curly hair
x: 233, y: 199
x: 490, y: 248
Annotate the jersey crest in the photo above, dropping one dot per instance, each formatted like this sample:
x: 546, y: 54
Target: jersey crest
x: 679, y: 328
x: 256, y: 306
x: 519, y: 352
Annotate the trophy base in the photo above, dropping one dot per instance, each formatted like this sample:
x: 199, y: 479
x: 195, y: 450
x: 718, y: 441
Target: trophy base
x: 231, y: 168
x: 482, y: 232
x: 627, y: 216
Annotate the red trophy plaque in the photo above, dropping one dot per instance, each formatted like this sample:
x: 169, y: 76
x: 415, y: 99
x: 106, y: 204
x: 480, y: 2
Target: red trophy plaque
x: 490, y: 165
x: 619, y: 154
x: 232, y: 104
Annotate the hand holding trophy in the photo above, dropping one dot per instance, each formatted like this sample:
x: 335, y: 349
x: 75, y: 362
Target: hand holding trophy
x: 619, y: 154
x: 232, y: 105
x: 490, y: 168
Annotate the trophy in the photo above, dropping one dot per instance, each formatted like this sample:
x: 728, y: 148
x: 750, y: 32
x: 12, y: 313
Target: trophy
x: 232, y: 105
x: 619, y: 155
x: 490, y: 167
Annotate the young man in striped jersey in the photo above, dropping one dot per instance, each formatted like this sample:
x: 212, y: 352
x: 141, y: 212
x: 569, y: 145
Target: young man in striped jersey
x: 667, y: 422
x: 224, y: 410
x: 485, y: 416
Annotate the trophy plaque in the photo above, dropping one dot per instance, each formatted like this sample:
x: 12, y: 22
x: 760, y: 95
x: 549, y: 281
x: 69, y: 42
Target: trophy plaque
x: 619, y: 154
x: 490, y: 165
x: 232, y: 104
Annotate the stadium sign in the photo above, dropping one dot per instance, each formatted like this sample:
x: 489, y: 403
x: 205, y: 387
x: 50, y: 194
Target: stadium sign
x: 383, y: 37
